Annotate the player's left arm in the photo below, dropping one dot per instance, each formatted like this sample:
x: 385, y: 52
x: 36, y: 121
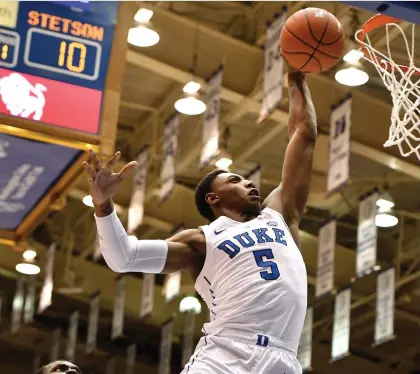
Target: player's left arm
x: 291, y: 196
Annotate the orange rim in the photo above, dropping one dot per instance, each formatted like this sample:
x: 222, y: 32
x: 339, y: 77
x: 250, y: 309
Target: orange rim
x: 373, y: 23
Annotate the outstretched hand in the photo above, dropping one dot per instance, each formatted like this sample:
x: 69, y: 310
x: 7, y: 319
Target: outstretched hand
x: 103, y: 182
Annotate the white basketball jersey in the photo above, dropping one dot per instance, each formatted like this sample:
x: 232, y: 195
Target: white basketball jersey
x: 254, y: 277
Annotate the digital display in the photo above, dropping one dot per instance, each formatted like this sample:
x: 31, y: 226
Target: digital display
x: 45, y: 43
x: 29, y: 169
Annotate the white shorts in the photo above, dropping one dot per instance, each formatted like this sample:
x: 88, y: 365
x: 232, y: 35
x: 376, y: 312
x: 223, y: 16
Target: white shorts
x: 239, y: 352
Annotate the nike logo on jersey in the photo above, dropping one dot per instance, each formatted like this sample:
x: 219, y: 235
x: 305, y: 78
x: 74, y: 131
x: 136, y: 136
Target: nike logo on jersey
x: 218, y: 232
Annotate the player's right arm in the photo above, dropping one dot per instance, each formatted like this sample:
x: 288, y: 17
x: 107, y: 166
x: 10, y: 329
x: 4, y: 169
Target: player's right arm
x: 124, y: 253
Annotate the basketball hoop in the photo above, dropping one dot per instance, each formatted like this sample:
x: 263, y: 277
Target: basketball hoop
x: 403, y: 81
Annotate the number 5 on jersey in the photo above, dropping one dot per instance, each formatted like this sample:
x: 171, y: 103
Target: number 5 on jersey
x: 261, y: 258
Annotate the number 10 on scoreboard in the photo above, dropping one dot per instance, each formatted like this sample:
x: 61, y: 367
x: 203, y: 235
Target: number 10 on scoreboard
x: 62, y: 54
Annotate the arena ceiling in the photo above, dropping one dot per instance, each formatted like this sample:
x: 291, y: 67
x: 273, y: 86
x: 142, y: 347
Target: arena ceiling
x: 232, y: 34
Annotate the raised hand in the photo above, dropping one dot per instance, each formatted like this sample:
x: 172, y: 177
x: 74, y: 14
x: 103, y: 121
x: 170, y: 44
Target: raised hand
x: 103, y: 182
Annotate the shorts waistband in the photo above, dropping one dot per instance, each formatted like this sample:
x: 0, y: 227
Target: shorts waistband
x: 256, y: 338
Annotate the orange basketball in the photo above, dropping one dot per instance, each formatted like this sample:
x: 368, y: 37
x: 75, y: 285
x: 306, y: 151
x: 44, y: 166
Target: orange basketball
x: 312, y: 40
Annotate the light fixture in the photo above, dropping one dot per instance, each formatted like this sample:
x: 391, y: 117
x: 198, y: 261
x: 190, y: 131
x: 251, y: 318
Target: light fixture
x: 190, y: 304
x: 353, y: 56
x: 29, y: 254
x: 87, y: 200
x: 385, y: 218
x: 190, y: 104
x: 351, y: 75
x: 28, y: 266
x: 143, y: 35
x: 224, y: 163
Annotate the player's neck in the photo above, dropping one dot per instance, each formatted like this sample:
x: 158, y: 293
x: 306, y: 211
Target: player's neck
x: 236, y: 216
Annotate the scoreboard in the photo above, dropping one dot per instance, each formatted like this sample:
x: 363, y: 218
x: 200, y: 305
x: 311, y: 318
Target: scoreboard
x: 54, y: 58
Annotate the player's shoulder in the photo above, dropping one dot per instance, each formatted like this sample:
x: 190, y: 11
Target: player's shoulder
x: 193, y: 238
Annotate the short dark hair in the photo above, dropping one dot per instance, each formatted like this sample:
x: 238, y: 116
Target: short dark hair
x: 202, y: 189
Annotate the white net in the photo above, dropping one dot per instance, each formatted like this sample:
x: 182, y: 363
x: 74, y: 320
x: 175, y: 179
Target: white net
x: 404, y: 84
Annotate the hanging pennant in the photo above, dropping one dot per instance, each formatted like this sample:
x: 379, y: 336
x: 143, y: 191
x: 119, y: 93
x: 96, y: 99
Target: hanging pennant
x: 366, y: 235
x: 118, y: 317
x: 47, y: 288
x: 255, y: 177
x: 94, y: 305
x: 147, y: 295
x: 341, y: 328
x: 136, y: 208
x: 172, y: 287
x: 273, y: 68
x: 170, y: 148
x: 326, y: 252
x: 18, y: 302
x: 29, y: 309
x: 55, y: 345
x: 72, y: 335
x: 385, y: 301
x: 339, y: 147
x: 130, y: 364
x: 165, y: 349
x: 305, y: 343
x: 210, y: 134
x: 188, y: 337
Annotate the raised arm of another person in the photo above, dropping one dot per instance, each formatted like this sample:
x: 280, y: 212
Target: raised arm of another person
x: 125, y: 253
x: 291, y: 196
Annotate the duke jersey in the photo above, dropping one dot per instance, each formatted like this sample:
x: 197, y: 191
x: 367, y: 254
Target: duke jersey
x: 254, y: 278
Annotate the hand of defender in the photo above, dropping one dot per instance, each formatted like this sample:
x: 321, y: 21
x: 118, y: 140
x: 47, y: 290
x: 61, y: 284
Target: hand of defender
x: 103, y: 182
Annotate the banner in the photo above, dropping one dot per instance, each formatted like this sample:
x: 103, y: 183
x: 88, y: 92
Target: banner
x: 47, y: 289
x: 170, y: 148
x: 55, y: 345
x: 165, y: 349
x: 18, y: 301
x: 385, y: 298
x: 172, y: 286
x: 97, y: 253
x: 72, y: 335
x: 94, y: 305
x: 147, y: 295
x: 339, y: 149
x: 136, y: 208
x: 255, y: 177
x: 366, y: 235
x: 130, y: 363
x: 305, y: 343
x: 188, y: 337
x: 210, y: 134
x: 273, y: 68
x: 29, y: 308
x: 326, y: 252
x: 118, y: 317
x: 341, y: 328
x: 110, y: 366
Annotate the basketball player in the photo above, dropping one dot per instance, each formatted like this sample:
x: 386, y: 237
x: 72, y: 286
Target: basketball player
x: 246, y: 263
x: 59, y: 367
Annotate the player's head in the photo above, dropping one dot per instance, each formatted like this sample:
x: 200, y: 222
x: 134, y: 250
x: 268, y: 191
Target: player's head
x: 221, y: 191
x: 59, y: 367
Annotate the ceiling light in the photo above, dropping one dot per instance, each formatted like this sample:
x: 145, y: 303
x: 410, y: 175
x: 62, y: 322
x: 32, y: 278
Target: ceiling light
x: 224, y: 163
x: 190, y: 304
x: 385, y: 201
x: 29, y: 254
x: 143, y: 15
x: 353, y: 56
x: 87, y: 200
x: 351, y: 76
x: 27, y: 268
x: 385, y: 220
x: 191, y: 87
x: 190, y: 106
x: 142, y: 36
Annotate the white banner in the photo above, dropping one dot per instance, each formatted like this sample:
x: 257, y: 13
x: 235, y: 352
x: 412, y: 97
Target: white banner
x: 305, y: 342
x: 210, y: 134
x: 47, y: 288
x: 273, y: 68
x: 97, y: 254
x: 326, y: 252
x: 55, y: 345
x: 255, y: 177
x: 29, y: 309
x: 147, y: 295
x: 94, y: 305
x: 130, y: 363
x: 118, y: 317
x: 188, y: 337
x: 339, y: 149
x: 110, y: 366
x: 170, y: 148
x: 172, y: 286
x: 18, y: 302
x: 341, y: 327
x: 136, y: 208
x: 385, y: 298
x: 165, y: 349
x: 72, y: 336
x: 366, y: 235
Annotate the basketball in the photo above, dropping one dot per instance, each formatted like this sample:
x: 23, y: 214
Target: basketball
x: 312, y: 40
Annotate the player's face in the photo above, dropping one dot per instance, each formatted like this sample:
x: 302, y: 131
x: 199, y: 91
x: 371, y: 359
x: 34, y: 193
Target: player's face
x: 237, y: 193
x: 60, y: 367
